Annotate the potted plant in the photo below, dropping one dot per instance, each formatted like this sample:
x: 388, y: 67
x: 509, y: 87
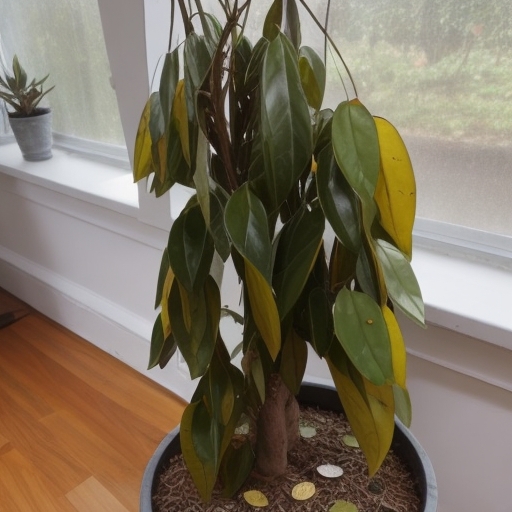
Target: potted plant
x: 30, y: 123
x: 315, y: 209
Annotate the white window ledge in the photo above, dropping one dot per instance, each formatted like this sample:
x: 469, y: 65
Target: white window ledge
x: 87, y: 179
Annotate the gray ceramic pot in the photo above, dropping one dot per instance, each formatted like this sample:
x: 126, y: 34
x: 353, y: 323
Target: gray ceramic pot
x: 34, y: 135
x: 405, y: 445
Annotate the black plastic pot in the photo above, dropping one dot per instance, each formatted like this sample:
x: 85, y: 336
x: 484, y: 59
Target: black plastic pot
x: 405, y: 445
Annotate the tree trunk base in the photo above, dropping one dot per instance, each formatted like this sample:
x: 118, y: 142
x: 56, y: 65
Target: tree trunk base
x: 277, y: 429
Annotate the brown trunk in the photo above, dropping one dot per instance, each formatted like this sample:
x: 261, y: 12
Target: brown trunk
x: 277, y: 429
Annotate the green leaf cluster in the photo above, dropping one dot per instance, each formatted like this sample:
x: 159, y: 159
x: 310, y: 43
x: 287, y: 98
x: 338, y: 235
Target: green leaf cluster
x: 315, y: 209
x: 20, y: 94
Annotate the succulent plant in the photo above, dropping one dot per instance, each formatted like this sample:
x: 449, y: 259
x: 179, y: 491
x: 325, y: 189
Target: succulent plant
x: 20, y: 94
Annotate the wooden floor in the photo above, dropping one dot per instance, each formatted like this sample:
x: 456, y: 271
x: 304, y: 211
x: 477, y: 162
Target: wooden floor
x: 77, y: 426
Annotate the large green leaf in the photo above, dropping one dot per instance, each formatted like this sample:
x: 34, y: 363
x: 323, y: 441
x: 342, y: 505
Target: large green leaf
x: 292, y: 24
x: 190, y: 248
x: 403, y: 287
x: 356, y: 148
x: 236, y: 467
x: 297, y: 248
x: 287, y: 136
x: 312, y: 76
x: 195, y: 324
x: 247, y: 225
x: 320, y: 321
x: 360, y: 328
x: 369, y: 409
x: 338, y: 201
x: 218, y: 200
x: 157, y: 343
x: 396, y: 187
x: 200, y: 439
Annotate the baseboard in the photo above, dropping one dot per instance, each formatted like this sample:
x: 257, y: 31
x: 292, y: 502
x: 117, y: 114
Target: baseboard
x: 108, y: 326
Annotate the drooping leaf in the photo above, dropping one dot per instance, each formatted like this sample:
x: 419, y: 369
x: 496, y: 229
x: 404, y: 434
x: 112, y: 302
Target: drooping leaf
x: 398, y: 352
x: 396, y: 187
x: 297, y: 249
x: 157, y: 343
x: 247, y: 225
x: 360, y: 328
x: 200, y: 440
x: 162, y: 276
x: 201, y: 179
x: 292, y: 24
x: 218, y: 201
x: 401, y: 282
x: 190, y: 248
x: 312, y: 76
x: 195, y: 323
x: 158, y: 140
x: 181, y: 121
x: 403, y: 407
x: 286, y: 129
x: 356, y: 147
x: 142, y: 161
x: 338, y: 201
x: 369, y: 273
x: 264, y: 308
x: 236, y: 467
x: 168, y: 350
x: 293, y: 361
x: 168, y: 83
x: 273, y: 20
x: 320, y: 321
x: 369, y: 409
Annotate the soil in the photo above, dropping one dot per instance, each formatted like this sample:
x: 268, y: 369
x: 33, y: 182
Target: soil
x: 393, y: 489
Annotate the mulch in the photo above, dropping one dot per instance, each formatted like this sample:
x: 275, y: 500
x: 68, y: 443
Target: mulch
x: 393, y: 489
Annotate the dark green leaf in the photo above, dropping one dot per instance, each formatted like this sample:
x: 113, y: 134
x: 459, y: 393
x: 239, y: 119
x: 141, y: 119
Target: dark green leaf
x: 293, y: 361
x: 320, y: 321
x: 218, y: 201
x: 168, y: 350
x: 236, y: 467
x: 273, y: 20
x: 292, y: 25
x: 195, y: 323
x: 297, y: 247
x: 190, y: 249
x: 356, y: 147
x: 403, y: 287
x: 162, y: 275
x: 338, y: 201
x: 157, y: 343
x: 168, y: 81
x: 287, y: 135
x: 246, y: 224
x: 362, y: 332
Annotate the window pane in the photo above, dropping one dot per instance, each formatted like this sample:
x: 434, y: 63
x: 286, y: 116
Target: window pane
x: 64, y: 38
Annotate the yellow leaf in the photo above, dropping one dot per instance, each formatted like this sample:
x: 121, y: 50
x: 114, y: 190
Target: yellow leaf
x: 303, y: 491
x: 166, y: 322
x: 395, y: 194
x: 398, y: 353
x: 142, y: 156
x: 371, y: 417
x: 181, y: 118
x: 264, y: 309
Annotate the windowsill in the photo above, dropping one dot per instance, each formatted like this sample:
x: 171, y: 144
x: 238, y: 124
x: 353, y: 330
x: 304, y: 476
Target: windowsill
x: 76, y: 176
x: 461, y: 294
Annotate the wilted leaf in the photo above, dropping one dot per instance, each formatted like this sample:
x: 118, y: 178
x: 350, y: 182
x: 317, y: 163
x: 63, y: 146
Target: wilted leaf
x: 256, y: 498
x: 303, y: 491
x: 396, y: 187
x: 142, y: 157
x: 398, y: 353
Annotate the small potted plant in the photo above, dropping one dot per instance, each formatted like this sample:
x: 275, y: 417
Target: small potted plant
x: 314, y: 207
x: 30, y: 123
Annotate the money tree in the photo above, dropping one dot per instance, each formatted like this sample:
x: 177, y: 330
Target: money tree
x: 314, y: 207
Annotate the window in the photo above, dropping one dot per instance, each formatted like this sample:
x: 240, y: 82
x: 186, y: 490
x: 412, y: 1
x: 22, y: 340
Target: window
x: 65, y: 38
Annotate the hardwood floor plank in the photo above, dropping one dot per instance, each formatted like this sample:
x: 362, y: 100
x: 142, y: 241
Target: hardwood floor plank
x: 75, y: 422
x: 24, y: 487
x: 91, y: 495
